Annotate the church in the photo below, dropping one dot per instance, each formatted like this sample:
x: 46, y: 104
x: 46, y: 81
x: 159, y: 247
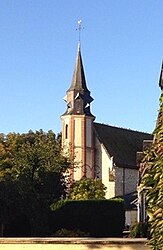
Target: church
x: 100, y: 151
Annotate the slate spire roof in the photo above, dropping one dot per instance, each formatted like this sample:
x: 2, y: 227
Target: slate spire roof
x: 78, y: 80
x: 78, y: 96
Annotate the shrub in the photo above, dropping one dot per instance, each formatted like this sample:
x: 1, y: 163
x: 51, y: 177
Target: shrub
x: 139, y: 230
x: 87, y: 189
x: 99, y: 218
x: 152, y: 181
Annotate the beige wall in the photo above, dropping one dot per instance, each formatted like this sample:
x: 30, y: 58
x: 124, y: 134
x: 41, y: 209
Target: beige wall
x: 125, y: 178
x: 78, y: 163
x: 103, y: 162
x: 89, y: 148
x: 88, y: 132
x: 89, y: 163
x: 79, y: 143
x: 77, y: 132
x: 73, y: 244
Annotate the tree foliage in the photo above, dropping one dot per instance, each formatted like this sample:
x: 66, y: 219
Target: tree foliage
x: 152, y: 183
x: 32, y: 176
x: 86, y: 189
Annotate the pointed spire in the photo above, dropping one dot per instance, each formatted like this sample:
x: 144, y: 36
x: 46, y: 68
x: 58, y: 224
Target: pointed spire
x: 78, y: 96
x: 161, y: 77
x: 78, y: 81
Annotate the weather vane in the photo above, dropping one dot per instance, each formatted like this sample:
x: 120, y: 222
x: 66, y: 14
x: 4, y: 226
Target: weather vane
x: 79, y: 28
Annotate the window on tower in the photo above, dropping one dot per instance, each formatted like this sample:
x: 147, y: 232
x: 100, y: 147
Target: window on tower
x: 66, y: 132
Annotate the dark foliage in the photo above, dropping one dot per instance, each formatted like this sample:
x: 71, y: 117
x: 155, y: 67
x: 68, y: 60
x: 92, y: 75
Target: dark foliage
x: 140, y: 230
x: 99, y: 218
x: 32, y: 176
x: 152, y: 183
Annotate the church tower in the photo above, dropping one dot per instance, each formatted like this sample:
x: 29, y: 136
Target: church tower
x: 77, y: 123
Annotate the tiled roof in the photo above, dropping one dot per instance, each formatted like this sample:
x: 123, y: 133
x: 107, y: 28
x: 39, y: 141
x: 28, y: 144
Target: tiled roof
x: 122, y: 144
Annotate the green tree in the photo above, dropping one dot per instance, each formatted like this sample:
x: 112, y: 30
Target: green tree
x: 32, y: 176
x: 152, y: 183
x: 86, y: 189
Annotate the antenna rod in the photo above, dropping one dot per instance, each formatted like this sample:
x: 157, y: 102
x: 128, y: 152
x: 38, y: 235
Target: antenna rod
x: 80, y: 27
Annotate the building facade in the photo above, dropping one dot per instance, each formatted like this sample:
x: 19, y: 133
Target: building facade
x: 100, y: 151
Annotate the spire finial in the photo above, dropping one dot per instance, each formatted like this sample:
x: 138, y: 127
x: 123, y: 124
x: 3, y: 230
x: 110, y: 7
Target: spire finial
x: 79, y: 28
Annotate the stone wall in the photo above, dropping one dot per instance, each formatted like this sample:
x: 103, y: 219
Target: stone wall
x: 131, y: 217
x: 125, y: 180
x: 72, y: 244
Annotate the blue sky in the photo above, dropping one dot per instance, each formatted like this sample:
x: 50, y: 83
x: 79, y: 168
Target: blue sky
x: 122, y: 50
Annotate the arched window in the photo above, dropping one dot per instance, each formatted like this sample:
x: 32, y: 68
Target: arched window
x: 66, y: 132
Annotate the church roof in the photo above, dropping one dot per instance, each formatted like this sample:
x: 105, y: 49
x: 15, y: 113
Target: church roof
x: 78, y: 80
x: 122, y: 144
x: 130, y: 200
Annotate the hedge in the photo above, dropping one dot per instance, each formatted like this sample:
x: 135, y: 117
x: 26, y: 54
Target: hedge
x: 99, y: 218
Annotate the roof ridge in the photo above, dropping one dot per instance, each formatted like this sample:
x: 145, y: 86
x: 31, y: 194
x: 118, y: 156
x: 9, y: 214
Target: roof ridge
x: 128, y: 129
